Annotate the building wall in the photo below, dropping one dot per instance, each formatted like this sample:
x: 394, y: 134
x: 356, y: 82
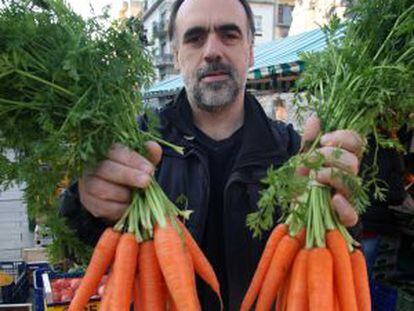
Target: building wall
x: 311, y: 14
x: 283, y: 17
x: 263, y: 11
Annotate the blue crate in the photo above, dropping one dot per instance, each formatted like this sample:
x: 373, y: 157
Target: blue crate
x: 383, y: 297
x: 18, y: 291
x: 38, y: 284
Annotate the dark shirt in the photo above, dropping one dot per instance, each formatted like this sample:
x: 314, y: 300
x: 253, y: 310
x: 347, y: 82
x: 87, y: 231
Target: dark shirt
x: 221, y: 157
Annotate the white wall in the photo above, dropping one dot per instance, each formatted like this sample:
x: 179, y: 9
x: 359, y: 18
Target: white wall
x: 14, y: 228
x: 311, y: 14
x: 266, y: 11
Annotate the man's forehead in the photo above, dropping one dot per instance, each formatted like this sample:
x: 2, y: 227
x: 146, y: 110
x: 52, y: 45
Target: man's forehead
x: 210, y: 14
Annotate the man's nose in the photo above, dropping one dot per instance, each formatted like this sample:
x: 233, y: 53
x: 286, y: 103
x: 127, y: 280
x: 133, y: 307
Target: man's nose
x: 213, y: 48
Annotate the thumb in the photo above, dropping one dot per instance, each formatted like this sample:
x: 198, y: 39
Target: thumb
x: 154, y: 152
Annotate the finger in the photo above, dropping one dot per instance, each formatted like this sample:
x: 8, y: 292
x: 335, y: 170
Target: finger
x: 345, y: 139
x: 346, y: 213
x: 340, y: 158
x: 115, y: 172
x: 311, y: 129
x: 123, y: 155
x: 154, y: 152
x: 104, y: 190
x: 108, y: 210
x: 332, y: 177
x: 302, y: 171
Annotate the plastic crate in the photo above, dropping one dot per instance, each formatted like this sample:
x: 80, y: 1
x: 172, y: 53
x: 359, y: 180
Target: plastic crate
x: 383, y: 297
x: 18, y: 291
x: 40, y: 303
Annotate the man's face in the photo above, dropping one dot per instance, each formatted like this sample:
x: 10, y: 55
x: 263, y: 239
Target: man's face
x: 213, y: 50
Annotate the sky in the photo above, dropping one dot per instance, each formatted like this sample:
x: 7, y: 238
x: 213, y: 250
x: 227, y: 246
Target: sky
x: 82, y: 7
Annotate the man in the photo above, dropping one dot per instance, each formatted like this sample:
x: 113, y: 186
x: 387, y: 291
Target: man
x: 229, y: 144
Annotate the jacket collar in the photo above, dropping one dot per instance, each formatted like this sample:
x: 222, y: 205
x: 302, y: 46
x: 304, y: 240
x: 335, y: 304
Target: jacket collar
x: 261, y: 145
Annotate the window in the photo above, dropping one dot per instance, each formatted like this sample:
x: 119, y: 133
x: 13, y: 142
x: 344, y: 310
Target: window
x: 285, y: 14
x: 258, y: 24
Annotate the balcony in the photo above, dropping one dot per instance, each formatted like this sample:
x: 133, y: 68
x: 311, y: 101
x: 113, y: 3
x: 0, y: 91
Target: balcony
x: 162, y: 60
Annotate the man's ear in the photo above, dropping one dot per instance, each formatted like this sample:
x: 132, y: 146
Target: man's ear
x: 251, y: 60
x: 175, y: 57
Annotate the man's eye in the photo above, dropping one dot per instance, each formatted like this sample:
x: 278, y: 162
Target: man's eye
x: 196, y: 39
x: 230, y: 36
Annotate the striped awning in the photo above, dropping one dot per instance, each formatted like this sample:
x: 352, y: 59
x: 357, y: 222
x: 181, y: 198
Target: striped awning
x: 278, y: 57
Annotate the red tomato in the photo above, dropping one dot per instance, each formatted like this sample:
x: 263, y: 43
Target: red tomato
x: 74, y: 283
x: 56, y: 296
x: 67, y: 295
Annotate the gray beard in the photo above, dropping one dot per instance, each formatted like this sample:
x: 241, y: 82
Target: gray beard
x: 216, y: 96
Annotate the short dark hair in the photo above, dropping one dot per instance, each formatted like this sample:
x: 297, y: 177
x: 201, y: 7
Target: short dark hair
x: 177, y: 4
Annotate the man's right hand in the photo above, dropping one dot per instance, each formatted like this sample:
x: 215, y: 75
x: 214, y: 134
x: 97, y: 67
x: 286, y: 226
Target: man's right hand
x: 106, y: 191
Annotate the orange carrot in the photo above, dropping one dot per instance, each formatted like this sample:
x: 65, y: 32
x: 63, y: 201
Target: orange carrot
x: 281, y: 262
x: 361, y: 281
x: 137, y: 291
x: 102, y: 257
x: 105, y: 301
x: 298, y: 290
x: 282, y: 297
x: 262, y: 268
x: 320, y: 280
x: 176, y: 267
x: 301, y: 237
x: 124, y: 272
x: 153, y: 290
x: 344, y: 283
x: 336, y: 302
x: 201, y: 265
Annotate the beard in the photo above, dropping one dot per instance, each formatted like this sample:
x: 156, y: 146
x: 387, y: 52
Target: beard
x: 214, y: 96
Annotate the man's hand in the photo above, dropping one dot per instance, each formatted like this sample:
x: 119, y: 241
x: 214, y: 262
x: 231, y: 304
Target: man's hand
x: 106, y: 191
x: 341, y: 150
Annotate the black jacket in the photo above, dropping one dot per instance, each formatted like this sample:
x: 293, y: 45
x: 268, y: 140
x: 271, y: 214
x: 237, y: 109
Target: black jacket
x: 264, y: 143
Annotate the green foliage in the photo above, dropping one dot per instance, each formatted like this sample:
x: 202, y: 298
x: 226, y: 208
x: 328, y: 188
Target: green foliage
x: 69, y: 89
x: 363, y: 81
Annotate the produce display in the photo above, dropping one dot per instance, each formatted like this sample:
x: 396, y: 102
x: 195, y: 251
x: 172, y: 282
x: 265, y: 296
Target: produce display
x: 362, y: 81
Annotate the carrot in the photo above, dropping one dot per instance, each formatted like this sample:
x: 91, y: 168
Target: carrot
x: 281, y: 262
x: 298, y: 290
x: 361, y: 281
x: 336, y: 302
x: 176, y: 267
x: 153, y: 290
x: 264, y: 263
x: 102, y: 257
x: 320, y: 280
x: 282, y: 298
x: 201, y: 265
x: 105, y: 301
x: 301, y: 236
x: 137, y: 291
x: 124, y: 272
x: 344, y: 283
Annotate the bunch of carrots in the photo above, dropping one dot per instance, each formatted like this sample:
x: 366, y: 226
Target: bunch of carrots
x: 151, y: 264
x: 310, y: 266
x: 361, y: 81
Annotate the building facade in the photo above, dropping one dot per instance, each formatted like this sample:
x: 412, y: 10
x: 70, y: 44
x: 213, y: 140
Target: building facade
x: 312, y: 14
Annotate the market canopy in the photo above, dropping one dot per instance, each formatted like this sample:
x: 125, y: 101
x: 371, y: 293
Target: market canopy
x: 280, y: 56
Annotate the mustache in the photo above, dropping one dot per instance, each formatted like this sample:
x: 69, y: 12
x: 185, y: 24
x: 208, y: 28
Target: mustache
x: 213, y: 68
